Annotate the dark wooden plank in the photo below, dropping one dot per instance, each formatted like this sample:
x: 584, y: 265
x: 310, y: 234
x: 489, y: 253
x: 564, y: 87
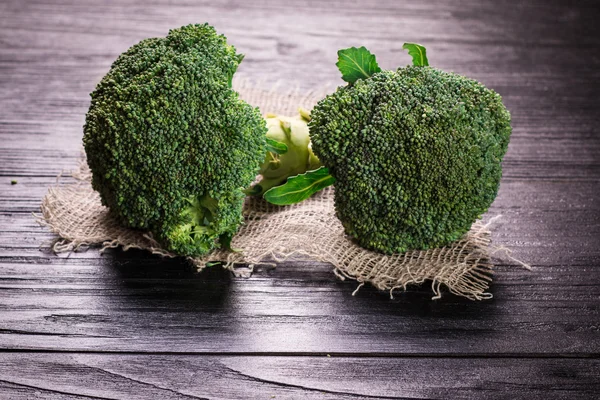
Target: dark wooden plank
x: 126, y: 302
x: 18, y: 163
x: 232, y: 377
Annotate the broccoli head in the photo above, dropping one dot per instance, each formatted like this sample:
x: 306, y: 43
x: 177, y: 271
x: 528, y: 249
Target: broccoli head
x: 169, y: 143
x: 416, y: 153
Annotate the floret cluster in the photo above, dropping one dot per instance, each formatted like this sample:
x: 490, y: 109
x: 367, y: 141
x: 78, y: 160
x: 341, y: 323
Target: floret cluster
x: 415, y: 154
x: 170, y: 144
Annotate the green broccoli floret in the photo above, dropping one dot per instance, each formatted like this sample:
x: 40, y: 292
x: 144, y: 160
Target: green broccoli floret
x: 415, y: 153
x: 170, y: 144
x: 293, y: 154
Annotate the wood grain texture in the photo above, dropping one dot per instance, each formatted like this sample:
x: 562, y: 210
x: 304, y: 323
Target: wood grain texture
x: 128, y: 302
x: 129, y: 325
x: 232, y: 377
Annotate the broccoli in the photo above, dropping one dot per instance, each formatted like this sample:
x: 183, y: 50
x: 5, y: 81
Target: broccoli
x: 289, y: 154
x: 415, y: 154
x: 169, y: 143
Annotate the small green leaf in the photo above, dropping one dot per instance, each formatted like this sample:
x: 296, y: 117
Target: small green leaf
x: 276, y: 147
x: 213, y: 263
x: 418, y: 54
x: 299, y: 187
x: 356, y: 63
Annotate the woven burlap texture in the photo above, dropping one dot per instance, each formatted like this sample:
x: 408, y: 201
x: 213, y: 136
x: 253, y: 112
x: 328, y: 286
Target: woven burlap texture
x: 271, y: 233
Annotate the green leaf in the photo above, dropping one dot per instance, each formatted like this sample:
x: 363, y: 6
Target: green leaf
x: 213, y: 263
x: 276, y: 147
x: 299, y: 187
x: 355, y: 64
x: 418, y: 54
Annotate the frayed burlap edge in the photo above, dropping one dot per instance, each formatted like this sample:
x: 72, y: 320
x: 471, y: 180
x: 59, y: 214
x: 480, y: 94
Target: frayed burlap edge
x: 272, y: 234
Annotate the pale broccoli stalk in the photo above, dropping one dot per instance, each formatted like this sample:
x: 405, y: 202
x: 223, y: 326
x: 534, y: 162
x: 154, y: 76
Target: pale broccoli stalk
x: 289, y: 151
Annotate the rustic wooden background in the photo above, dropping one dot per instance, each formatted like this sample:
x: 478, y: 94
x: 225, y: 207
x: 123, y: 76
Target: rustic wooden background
x: 129, y: 326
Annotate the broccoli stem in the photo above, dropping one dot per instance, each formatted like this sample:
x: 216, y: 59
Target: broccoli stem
x: 277, y: 167
x: 203, y: 222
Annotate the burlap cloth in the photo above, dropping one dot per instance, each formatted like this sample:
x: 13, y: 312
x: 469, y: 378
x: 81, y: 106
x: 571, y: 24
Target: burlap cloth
x: 272, y: 233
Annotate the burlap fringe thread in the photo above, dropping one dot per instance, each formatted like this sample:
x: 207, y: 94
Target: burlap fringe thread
x: 272, y: 234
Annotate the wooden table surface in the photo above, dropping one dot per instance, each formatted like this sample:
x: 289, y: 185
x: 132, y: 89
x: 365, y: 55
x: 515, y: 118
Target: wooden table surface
x: 126, y: 325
